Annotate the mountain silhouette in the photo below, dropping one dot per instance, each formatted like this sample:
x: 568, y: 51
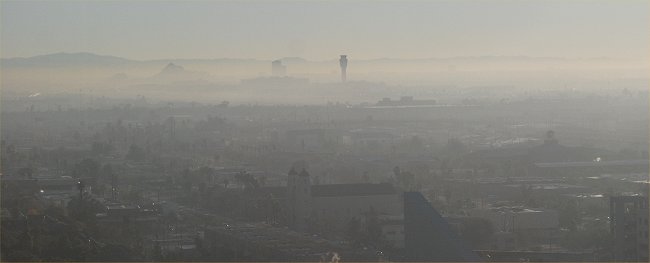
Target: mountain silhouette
x: 173, y: 72
x: 172, y: 68
x: 65, y: 59
x: 85, y: 59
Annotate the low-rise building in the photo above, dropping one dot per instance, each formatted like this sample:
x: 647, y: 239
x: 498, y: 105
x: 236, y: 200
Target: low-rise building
x: 629, y: 227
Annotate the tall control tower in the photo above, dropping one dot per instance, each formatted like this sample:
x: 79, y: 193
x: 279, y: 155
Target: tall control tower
x: 344, y: 65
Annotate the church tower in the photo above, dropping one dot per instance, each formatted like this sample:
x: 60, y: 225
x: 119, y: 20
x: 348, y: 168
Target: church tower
x: 299, y: 198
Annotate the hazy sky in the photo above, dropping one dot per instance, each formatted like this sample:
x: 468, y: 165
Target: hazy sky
x: 323, y: 30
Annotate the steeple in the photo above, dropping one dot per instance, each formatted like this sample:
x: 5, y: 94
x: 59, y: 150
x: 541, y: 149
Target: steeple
x: 304, y: 173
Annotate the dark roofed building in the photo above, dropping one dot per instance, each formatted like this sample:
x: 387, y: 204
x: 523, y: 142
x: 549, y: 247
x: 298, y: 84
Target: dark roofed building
x: 333, y: 206
x: 336, y: 204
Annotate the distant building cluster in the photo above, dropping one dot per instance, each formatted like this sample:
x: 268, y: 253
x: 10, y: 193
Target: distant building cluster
x: 405, y: 179
x: 277, y: 69
x: 405, y: 101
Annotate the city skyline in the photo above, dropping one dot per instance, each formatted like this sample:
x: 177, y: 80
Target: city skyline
x: 324, y: 131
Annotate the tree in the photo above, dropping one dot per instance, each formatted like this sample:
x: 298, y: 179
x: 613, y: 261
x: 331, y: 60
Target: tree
x: 448, y: 194
x: 114, y: 253
x: 99, y: 148
x: 353, y: 231
x: 550, y: 137
x: 372, y: 235
x: 568, y: 215
x: 26, y: 172
x: 186, y: 181
x: 106, y: 172
x: 86, y: 168
x: 205, y: 174
x: 134, y: 196
x: 247, y: 180
x: 455, y: 147
x: 397, y: 172
x: 407, y: 180
x: 135, y: 153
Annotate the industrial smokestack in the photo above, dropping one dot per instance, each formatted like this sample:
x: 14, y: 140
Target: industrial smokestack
x: 344, y: 65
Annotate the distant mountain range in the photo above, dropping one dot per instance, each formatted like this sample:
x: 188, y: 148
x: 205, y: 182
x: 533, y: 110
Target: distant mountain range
x: 65, y: 59
x: 90, y: 59
x: 172, y: 68
x: 176, y: 72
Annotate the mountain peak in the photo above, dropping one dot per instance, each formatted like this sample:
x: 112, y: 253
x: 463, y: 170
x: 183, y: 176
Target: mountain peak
x: 172, y: 68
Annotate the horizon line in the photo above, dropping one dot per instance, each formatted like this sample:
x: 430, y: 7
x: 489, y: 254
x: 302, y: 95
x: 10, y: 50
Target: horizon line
x: 335, y: 58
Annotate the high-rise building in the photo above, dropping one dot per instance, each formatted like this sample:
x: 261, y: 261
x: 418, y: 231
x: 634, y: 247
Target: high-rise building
x: 277, y: 69
x: 629, y: 227
x: 344, y: 65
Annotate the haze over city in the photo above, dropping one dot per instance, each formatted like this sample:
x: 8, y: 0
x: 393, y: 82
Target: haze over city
x: 329, y: 131
x: 322, y: 29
